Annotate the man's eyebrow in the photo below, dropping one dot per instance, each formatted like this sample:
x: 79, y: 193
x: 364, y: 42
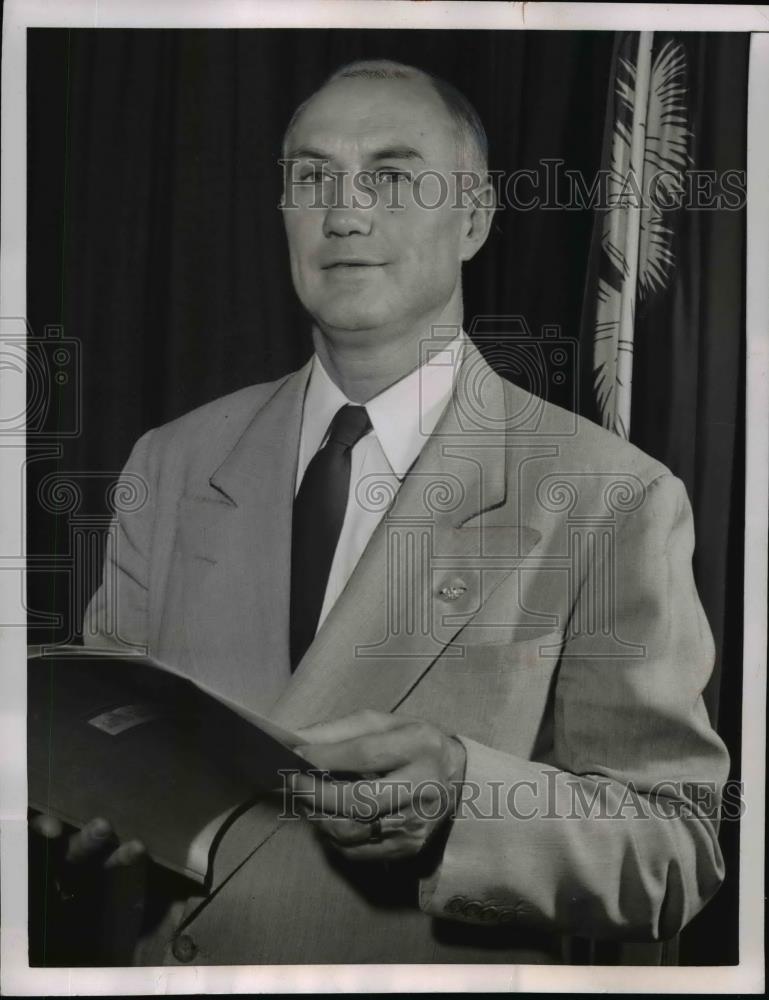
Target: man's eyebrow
x: 306, y: 153
x: 396, y: 153
x: 385, y: 153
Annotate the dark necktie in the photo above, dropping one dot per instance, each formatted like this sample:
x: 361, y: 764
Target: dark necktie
x: 319, y: 509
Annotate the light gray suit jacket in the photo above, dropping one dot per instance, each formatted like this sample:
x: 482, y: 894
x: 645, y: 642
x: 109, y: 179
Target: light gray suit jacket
x: 529, y: 589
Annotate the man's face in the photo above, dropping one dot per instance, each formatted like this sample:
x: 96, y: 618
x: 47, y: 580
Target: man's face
x: 387, y: 261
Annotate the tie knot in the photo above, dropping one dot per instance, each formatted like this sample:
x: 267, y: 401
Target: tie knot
x: 349, y: 425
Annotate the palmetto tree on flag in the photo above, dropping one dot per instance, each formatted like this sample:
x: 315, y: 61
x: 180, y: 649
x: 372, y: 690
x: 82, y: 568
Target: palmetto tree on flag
x: 649, y: 154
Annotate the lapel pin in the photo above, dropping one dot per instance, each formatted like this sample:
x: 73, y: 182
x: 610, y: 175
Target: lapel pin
x: 452, y: 592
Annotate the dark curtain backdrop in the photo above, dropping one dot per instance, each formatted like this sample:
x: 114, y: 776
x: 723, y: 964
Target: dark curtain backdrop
x: 156, y: 251
x: 688, y: 405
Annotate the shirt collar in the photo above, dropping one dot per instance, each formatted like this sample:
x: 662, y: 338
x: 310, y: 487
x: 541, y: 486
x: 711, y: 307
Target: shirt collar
x: 403, y: 416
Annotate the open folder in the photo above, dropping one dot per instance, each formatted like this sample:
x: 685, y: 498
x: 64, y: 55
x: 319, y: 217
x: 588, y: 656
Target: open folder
x: 162, y: 758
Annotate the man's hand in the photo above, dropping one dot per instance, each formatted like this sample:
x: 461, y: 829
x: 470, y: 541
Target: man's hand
x: 87, y: 893
x: 94, y: 845
x: 410, y: 777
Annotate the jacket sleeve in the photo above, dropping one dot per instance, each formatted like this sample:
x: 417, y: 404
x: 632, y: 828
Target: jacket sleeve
x: 615, y: 835
x: 118, y: 613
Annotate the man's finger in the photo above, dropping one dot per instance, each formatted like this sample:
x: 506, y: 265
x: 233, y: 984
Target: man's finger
x: 97, y: 837
x: 350, y: 726
x: 401, y: 844
x: 366, y: 799
x: 127, y: 854
x: 47, y: 826
x: 378, y: 752
x: 321, y: 795
x: 349, y: 832
x: 342, y: 830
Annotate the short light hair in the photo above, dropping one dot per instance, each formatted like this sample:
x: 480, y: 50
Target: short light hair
x: 471, y: 135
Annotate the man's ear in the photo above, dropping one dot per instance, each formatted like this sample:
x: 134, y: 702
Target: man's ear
x: 480, y: 206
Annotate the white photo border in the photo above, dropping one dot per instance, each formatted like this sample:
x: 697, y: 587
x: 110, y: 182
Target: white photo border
x: 17, y: 977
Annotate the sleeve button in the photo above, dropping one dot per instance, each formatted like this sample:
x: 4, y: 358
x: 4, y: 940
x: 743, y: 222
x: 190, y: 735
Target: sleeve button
x: 184, y: 948
x: 472, y: 909
x: 489, y: 913
x: 455, y: 904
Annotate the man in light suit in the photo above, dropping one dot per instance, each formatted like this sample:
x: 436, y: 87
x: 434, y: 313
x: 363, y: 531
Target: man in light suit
x: 499, y: 621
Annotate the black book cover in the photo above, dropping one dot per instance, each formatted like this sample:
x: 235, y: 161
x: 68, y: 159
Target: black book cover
x: 162, y: 759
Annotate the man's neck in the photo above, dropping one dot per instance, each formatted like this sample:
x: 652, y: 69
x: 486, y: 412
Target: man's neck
x: 364, y: 366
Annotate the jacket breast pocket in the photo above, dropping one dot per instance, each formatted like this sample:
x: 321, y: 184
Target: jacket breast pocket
x: 495, y: 692
x: 488, y: 634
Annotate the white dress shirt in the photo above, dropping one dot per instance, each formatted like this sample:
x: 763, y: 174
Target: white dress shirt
x: 402, y: 418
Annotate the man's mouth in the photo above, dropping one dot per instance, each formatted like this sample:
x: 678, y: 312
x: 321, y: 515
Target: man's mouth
x: 351, y: 263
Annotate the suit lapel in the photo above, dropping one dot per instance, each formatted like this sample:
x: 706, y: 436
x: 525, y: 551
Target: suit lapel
x: 424, y: 573
x: 239, y: 534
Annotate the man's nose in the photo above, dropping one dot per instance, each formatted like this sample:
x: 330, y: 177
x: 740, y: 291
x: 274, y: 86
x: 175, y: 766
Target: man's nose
x: 349, y: 210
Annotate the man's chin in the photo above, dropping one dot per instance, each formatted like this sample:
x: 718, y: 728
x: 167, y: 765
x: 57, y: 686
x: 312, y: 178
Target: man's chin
x: 352, y: 320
